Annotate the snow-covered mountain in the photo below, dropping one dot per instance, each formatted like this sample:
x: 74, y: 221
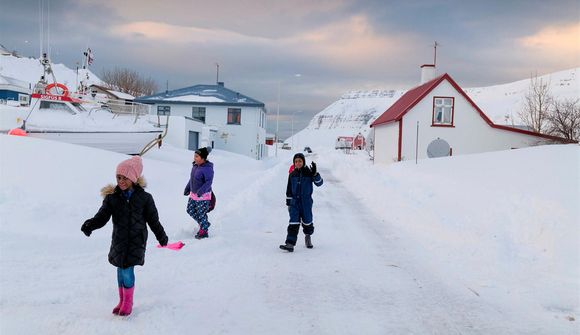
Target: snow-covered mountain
x: 29, y: 70
x: 355, y: 111
x: 501, y: 103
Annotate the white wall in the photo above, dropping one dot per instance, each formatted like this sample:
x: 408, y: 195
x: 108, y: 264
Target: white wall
x: 470, y: 134
x: 386, y: 143
x: 248, y: 138
x: 179, y: 128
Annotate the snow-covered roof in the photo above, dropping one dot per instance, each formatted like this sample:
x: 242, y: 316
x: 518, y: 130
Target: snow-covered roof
x: 195, y: 98
x: 117, y: 94
x: 203, y: 94
x: 13, y: 84
x: 121, y: 95
x: 4, y: 51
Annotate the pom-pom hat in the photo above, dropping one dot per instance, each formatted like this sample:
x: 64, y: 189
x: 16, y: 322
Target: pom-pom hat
x: 131, y: 168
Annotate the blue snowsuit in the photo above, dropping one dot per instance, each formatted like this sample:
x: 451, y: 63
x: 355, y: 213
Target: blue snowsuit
x: 299, y: 201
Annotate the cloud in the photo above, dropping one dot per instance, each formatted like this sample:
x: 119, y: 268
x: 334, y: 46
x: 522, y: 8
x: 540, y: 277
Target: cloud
x: 351, y: 42
x: 264, y: 18
x: 556, y: 42
x: 181, y: 35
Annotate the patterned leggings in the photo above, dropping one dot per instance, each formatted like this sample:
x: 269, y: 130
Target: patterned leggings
x: 197, y: 209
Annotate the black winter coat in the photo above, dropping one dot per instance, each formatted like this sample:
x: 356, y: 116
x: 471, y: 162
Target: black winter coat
x: 129, y: 224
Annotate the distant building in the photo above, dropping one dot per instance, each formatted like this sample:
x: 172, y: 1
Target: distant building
x: 436, y: 119
x: 110, y: 94
x: 14, y: 89
x: 4, y: 51
x: 212, y: 115
x: 359, y: 142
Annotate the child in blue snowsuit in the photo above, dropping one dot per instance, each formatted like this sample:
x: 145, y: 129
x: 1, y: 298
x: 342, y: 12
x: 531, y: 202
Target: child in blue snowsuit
x: 299, y: 201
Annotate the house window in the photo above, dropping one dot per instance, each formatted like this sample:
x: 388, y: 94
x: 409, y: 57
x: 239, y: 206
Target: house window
x: 443, y: 111
x: 163, y: 110
x: 198, y: 113
x: 234, y: 115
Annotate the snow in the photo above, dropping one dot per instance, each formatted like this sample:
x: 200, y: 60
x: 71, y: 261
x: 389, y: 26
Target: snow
x: 122, y: 95
x: 473, y: 244
x: 194, y: 98
x: 356, y: 110
x: 29, y: 71
x: 502, y: 103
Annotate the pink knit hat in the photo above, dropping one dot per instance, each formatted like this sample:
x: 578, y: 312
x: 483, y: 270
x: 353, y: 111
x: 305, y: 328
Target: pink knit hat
x: 131, y: 168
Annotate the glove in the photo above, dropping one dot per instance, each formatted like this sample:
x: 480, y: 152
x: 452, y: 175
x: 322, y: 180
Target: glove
x: 313, y: 168
x: 85, y: 228
x: 288, y: 202
x: 163, y: 241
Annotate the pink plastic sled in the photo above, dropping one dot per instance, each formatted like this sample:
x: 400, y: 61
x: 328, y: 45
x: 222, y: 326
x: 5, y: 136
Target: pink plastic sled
x: 173, y: 246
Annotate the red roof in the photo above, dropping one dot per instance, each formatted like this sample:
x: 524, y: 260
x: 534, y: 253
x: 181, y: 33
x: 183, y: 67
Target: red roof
x: 413, y: 96
x: 407, y: 101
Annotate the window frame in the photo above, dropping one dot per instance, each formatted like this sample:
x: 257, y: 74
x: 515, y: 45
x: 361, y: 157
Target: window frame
x: 234, y: 112
x: 165, y: 110
x: 200, y: 119
x: 434, y: 122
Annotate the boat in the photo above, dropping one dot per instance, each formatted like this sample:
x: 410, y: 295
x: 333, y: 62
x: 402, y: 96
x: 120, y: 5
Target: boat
x: 79, y: 118
x: 66, y: 119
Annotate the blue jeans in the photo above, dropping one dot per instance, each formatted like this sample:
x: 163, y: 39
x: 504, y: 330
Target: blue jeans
x: 126, y: 277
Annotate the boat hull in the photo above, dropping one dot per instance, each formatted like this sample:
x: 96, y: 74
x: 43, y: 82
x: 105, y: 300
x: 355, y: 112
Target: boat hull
x: 123, y: 142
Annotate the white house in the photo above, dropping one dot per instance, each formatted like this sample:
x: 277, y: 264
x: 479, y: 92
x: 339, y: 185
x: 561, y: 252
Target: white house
x: 212, y: 115
x: 14, y: 89
x: 437, y: 119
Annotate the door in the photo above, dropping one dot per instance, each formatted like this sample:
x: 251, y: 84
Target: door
x: 193, y: 141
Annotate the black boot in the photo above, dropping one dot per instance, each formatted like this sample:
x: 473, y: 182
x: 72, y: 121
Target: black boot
x: 288, y: 247
x: 308, y: 242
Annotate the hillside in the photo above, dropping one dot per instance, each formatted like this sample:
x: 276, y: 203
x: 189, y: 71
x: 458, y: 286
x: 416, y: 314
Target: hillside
x: 355, y: 111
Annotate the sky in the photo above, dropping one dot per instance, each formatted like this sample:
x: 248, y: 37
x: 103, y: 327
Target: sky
x: 307, y: 53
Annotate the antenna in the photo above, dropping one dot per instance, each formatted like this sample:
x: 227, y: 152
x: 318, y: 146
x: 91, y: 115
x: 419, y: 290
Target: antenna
x: 217, y: 75
x: 48, y: 51
x: 40, y: 26
x: 435, y: 54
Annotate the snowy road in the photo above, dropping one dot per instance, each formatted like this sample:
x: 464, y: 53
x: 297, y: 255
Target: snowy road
x: 359, y: 278
x: 364, y: 275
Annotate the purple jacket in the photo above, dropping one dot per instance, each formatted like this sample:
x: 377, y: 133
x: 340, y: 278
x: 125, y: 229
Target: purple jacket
x: 201, y: 179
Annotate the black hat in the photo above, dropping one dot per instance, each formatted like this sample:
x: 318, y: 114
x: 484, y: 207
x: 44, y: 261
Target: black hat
x: 301, y: 156
x: 203, y: 152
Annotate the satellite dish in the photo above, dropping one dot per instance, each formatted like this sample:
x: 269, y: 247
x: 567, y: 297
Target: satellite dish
x: 438, y: 148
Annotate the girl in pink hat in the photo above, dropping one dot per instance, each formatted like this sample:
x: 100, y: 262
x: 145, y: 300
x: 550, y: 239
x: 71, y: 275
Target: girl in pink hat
x: 132, y: 210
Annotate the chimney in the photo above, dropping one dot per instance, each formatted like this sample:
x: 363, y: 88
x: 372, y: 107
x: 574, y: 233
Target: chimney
x: 427, y: 73
x: 220, y: 83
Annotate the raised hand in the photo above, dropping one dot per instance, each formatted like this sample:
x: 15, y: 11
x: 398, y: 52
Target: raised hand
x: 313, y: 168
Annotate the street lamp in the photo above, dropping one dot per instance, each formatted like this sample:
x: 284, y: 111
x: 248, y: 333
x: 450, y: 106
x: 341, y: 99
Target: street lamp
x: 296, y: 75
x: 277, y: 119
x: 294, y: 112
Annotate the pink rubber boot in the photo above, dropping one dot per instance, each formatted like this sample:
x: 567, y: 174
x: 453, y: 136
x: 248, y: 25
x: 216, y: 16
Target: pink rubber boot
x: 118, y: 307
x: 127, y: 305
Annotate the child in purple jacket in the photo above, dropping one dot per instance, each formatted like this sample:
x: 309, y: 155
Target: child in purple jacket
x: 199, y: 190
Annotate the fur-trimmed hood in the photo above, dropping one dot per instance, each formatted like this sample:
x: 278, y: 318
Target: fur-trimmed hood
x: 110, y: 188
